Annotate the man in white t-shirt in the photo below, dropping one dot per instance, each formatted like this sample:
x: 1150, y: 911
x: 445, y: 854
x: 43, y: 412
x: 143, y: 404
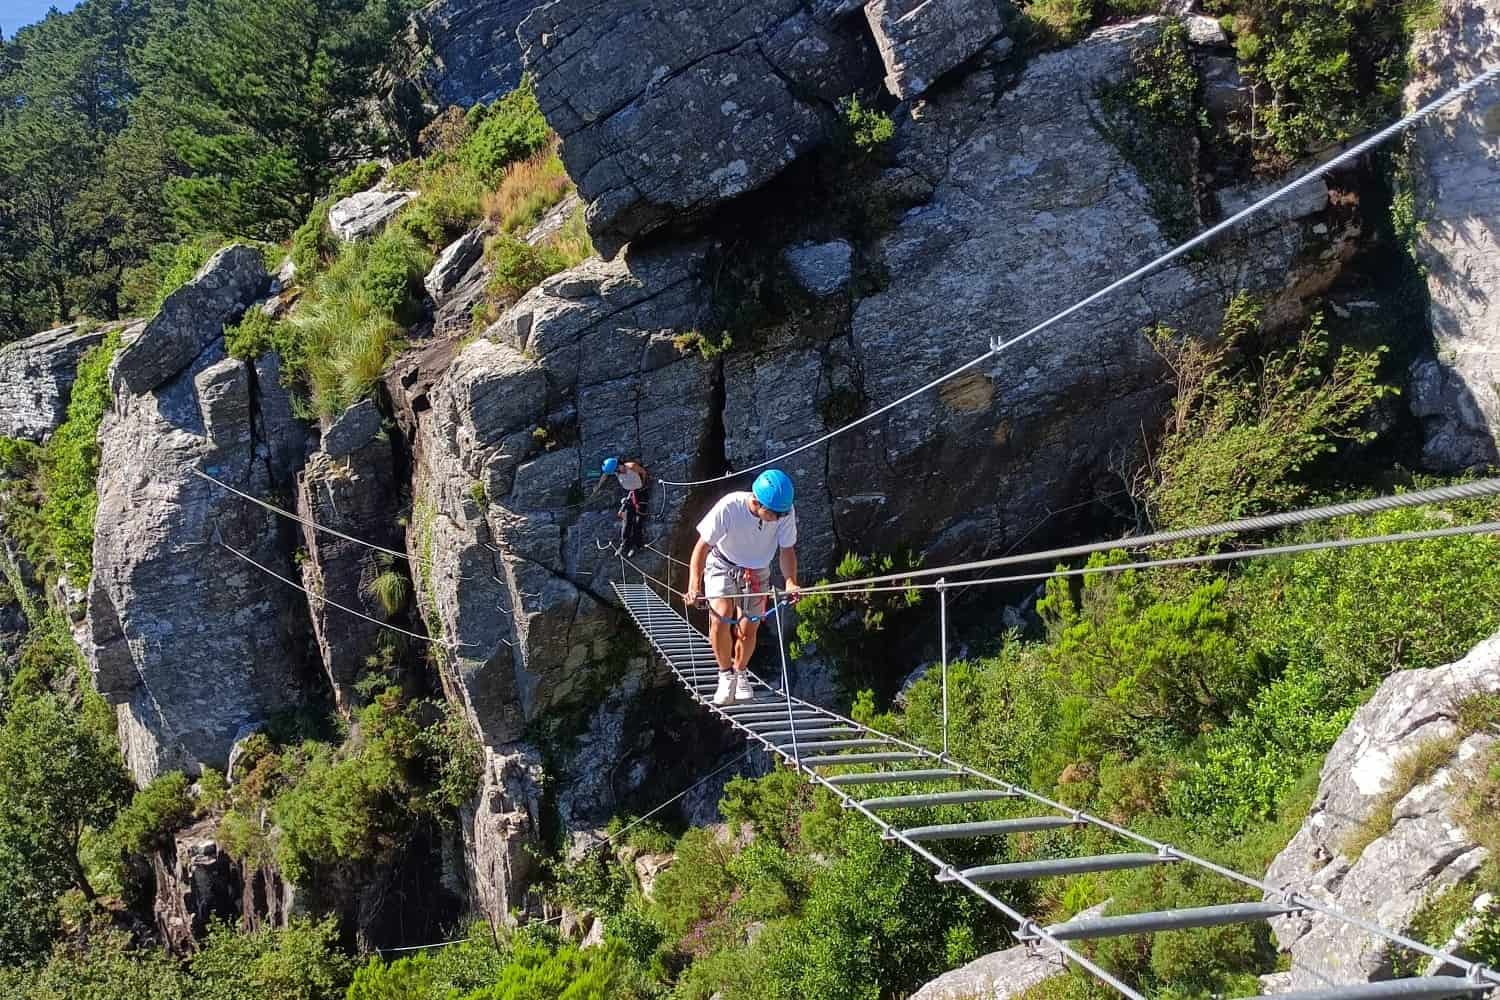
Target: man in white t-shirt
x: 737, y: 539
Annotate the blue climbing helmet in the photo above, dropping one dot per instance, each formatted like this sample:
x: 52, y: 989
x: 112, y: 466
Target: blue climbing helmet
x: 610, y: 465
x: 773, y: 488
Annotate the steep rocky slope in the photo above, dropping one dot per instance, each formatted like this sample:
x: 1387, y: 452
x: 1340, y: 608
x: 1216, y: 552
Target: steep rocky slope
x: 193, y: 646
x: 1422, y: 851
x: 1456, y: 203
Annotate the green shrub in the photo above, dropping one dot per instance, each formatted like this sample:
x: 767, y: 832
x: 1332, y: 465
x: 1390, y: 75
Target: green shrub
x: 313, y: 243
x: 866, y: 129
x: 354, y: 804
x: 450, y: 204
x: 108, y: 968
x: 501, y: 133
x: 1237, y: 439
x: 850, y: 628
x: 404, y: 979
x: 392, y: 274
x: 153, y: 815
x: 595, y: 883
x: 390, y: 590
x: 707, y: 347
x: 361, y: 178
x: 517, y: 267
x: 252, y: 336
x: 538, y: 971
x: 1331, y: 68
x: 301, y: 961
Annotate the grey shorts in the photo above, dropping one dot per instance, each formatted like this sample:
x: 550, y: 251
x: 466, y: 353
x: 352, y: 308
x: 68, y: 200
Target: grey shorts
x: 721, y: 579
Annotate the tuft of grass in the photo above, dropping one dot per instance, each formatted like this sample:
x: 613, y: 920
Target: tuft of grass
x: 344, y: 331
x: 705, y: 344
x: 528, y: 189
x: 450, y: 204
x: 390, y: 590
x: 1412, y: 770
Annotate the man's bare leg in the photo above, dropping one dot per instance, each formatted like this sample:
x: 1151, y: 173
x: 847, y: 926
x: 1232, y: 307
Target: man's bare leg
x: 721, y: 635
x: 744, y: 646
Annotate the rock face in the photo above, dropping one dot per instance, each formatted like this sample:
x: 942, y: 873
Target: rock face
x: 465, y: 51
x: 1030, y: 206
x: 192, y: 318
x: 1424, y: 851
x: 36, y: 379
x: 350, y: 485
x: 190, y: 643
x: 195, y: 883
x: 920, y: 40
x: 453, y: 264
x: 366, y: 213
x: 1457, y: 393
x: 668, y: 107
x: 504, y: 552
x: 821, y: 268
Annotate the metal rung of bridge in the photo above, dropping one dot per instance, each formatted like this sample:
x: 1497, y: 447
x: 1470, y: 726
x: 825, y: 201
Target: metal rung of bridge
x: 813, y: 739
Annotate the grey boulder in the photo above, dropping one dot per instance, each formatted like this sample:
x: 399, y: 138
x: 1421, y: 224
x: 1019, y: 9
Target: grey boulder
x: 366, y: 213
x: 192, y: 318
x: 36, y: 379
x: 669, y: 108
x: 1423, y: 852
x: 453, y: 264
x: 821, y: 268
x: 920, y: 40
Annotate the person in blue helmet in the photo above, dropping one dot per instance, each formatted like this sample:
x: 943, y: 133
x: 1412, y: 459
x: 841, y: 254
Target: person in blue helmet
x: 632, y: 479
x: 737, y: 539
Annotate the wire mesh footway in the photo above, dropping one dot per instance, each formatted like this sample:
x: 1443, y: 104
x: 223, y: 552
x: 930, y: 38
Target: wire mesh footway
x: 813, y: 740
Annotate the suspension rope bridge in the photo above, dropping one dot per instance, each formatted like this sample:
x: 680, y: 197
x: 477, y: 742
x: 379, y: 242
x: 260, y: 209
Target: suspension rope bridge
x: 846, y: 757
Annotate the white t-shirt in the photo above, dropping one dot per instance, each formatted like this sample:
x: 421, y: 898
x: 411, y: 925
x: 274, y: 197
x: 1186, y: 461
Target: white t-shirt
x: 743, y: 538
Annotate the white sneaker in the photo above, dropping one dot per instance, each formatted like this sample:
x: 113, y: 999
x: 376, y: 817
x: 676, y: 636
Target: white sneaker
x: 742, y: 690
x: 724, y: 694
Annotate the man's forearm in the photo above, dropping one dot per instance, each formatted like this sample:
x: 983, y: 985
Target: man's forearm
x: 789, y: 566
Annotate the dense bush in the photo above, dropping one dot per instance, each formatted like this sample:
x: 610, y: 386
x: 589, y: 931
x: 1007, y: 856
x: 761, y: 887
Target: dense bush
x: 351, y: 805
x: 1333, y: 68
x: 850, y: 629
x: 502, y: 133
x: 343, y: 332
x: 1239, y: 435
x: 517, y: 267
x: 392, y: 274
x: 62, y: 778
